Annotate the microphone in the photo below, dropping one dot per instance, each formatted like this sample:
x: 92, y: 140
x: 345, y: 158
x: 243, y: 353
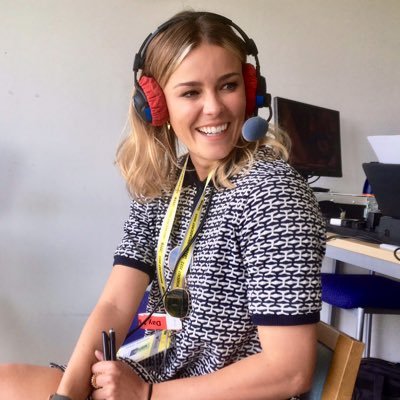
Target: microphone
x: 254, y: 129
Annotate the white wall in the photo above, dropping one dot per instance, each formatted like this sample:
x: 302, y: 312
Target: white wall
x: 65, y: 81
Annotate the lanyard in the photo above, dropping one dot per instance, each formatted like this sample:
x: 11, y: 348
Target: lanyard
x: 181, y: 269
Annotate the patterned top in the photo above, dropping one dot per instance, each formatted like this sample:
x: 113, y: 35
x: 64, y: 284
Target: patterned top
x: 256, y: 262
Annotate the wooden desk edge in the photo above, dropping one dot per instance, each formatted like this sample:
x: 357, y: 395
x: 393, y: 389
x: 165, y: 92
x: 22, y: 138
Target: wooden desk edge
x: 360, y: 247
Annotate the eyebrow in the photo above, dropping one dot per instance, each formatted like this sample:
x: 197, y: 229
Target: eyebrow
x: 197, y: 83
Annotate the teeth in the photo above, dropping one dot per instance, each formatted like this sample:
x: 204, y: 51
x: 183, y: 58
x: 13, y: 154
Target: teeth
x: 213, y: 130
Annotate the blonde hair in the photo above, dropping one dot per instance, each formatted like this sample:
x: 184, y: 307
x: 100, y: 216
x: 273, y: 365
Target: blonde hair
x: 148, y: 155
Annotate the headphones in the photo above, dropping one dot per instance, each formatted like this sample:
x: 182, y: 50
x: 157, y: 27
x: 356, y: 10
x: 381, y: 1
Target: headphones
x: 149, y: 100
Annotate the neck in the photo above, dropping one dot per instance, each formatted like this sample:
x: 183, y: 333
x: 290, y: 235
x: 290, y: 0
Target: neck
x: 202, y: 169
x: 202, y: 173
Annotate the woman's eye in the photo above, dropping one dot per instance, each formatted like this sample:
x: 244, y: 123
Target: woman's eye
x: 230, y: 86
x: 190, y: 93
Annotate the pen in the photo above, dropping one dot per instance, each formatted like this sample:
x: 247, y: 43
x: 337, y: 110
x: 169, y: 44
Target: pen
x: 106, y: 346
x: 113, y: 353
x: 109, y: 346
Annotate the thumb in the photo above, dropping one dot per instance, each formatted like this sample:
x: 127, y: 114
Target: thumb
x: 99, y: 355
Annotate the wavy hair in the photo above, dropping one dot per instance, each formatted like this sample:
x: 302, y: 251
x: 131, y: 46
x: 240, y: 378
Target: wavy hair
x: 148, y: 155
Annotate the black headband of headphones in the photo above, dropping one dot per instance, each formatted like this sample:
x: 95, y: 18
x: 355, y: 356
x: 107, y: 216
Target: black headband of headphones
x: 251, y: 47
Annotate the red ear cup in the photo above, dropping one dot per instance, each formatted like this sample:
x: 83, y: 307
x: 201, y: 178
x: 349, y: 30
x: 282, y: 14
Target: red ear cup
x: 156, y: 100
x: 250, y: 85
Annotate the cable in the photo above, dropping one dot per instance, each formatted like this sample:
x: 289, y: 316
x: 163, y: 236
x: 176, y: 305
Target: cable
x: 315, y: 180
x: 395, y: 251
x: 362, y: 237
x: 337, y: 237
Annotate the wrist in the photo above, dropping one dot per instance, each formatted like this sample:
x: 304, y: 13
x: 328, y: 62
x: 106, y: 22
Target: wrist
x: 56, y: 396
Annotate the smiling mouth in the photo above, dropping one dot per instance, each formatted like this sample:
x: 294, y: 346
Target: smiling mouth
x: 213, y: 130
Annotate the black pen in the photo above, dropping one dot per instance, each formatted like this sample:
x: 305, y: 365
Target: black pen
x: 106, y: 346
x: 113, y: 352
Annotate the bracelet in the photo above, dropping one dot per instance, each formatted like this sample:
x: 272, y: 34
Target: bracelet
x: 150, y: 391
x: 56, y: 396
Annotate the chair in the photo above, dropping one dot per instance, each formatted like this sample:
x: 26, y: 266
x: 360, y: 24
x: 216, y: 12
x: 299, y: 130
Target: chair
x: 369, y: 294
x: 338, y: 360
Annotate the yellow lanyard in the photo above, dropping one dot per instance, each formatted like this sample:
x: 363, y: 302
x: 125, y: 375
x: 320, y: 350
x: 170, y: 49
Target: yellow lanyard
x: 165, y: 232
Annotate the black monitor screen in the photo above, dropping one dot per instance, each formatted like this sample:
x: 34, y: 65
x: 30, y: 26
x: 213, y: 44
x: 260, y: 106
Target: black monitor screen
x: 315, y: 135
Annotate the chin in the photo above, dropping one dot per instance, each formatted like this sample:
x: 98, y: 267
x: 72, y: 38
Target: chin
x: 218, y: 157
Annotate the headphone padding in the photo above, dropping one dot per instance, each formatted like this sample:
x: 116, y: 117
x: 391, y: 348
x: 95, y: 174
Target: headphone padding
x: 250, y: 84
x: 156, y: 100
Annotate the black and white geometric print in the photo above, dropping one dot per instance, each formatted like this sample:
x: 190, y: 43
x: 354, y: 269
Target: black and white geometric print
x: 256, y: 262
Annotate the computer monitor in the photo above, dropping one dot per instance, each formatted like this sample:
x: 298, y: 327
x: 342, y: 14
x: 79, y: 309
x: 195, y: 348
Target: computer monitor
x: 315, y: 135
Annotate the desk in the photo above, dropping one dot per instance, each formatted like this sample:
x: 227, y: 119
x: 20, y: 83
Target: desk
x: 362, y: 254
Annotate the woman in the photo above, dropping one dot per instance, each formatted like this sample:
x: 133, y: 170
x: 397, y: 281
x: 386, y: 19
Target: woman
x: 229, y: 235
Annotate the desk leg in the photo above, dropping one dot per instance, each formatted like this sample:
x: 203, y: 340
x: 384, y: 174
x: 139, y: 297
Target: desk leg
x: 329, y: 265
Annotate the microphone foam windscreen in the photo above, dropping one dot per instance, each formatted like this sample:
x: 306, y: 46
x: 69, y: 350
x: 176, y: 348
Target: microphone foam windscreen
x: 254, y: 129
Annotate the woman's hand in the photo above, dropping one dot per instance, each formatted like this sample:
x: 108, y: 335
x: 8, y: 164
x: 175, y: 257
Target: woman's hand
x: 115, y: 380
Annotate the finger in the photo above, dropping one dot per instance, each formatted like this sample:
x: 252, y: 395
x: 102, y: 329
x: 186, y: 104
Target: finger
x: 94, y: 381
x: 98, y: 394
x: 97, y: 367
x: 99, y: 355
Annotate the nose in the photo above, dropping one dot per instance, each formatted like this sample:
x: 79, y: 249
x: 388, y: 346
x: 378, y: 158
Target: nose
x: 213, y: 104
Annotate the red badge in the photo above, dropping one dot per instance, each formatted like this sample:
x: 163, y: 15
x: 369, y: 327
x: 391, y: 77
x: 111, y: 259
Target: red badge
x: 157, y: 322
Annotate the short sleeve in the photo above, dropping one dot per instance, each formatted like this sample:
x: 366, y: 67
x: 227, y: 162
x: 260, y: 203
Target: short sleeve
x: 283, y: 244
x: 138, y: 244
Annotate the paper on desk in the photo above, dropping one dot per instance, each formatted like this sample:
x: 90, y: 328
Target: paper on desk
x: 386, y: 148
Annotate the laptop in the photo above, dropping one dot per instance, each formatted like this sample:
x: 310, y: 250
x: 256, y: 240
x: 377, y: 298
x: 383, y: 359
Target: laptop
x: 385, y: 183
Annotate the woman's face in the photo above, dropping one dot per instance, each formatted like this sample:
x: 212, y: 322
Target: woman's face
x: 206, y: 103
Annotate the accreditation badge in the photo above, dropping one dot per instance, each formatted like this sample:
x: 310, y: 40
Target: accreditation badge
x: 146, y: 347
x: 159, y: 322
